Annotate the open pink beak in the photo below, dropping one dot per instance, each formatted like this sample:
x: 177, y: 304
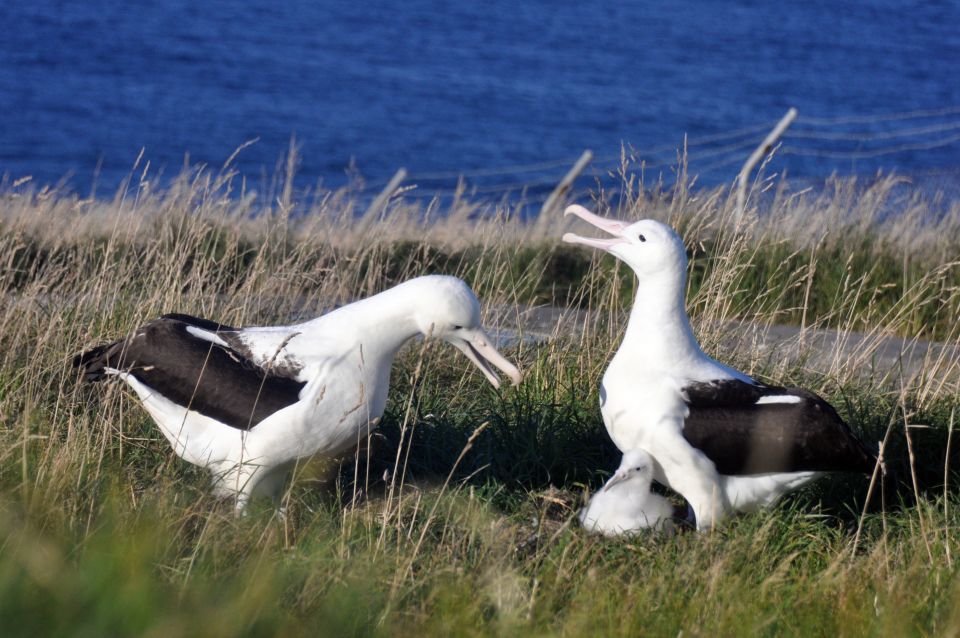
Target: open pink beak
x: 612, y: 226
x: 478, y: 348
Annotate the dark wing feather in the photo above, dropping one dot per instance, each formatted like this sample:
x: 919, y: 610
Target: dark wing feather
x: 194, y: 373
x: 726, y: 393
x: 742, y: 437
x: 198, y: 322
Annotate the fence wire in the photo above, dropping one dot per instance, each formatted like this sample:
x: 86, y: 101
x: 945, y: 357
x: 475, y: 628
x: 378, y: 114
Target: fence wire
x: 813, y: 146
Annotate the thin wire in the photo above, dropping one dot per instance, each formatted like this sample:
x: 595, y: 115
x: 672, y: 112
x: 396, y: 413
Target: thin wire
x: 720, y: 164
x: 501, y: 170
x: 443, y: 193
x: 513, y: 186
x: 936, y: 172
x: 702, y: 141
x: 888, y: 117
x: 598, y: 170
x: 691, y: 157
x: 720, y: 150
x: 485, y: 190
x: 792, y: 150
x: 866, y: 137
x: 540, y: 166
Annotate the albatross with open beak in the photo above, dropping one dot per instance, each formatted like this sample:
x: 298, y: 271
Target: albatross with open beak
x: 248, y: 403
x: 719, y: 438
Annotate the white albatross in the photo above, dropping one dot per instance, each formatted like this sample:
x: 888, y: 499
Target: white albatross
x: 625, y: 505
x: 248, y: 403
x: 722, y: 440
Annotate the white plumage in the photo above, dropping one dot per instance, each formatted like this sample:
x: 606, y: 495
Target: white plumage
x: 716, y: 436
x: 248, y: 403
x: 625, y: 505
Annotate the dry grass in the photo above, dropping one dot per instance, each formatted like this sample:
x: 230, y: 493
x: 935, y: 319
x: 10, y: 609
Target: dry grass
x: 105, y: 532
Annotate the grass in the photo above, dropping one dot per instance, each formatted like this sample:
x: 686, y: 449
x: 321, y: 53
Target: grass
x: 104, y: 532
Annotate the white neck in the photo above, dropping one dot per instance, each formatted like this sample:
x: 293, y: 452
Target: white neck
x: 659, y: 331
x: 386, y: 320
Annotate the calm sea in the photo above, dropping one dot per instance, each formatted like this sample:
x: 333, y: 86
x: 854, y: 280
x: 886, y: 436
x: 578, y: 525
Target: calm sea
x: 495, y: 86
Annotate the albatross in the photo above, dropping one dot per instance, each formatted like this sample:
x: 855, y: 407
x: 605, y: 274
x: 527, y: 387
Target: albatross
x: 721, y: 439
x: 248, y: 403
x: 625, y: 505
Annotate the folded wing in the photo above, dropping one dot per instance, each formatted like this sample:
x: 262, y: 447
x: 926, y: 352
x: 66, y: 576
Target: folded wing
x: 749, y: 428
x: 176, y: 357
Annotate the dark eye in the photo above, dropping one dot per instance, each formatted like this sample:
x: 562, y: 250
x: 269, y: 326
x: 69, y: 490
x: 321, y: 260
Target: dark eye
x: 458, y: 327
x: 642, y: 238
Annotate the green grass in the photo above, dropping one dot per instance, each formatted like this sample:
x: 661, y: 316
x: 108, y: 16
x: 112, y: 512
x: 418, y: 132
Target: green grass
x: 103, y: 531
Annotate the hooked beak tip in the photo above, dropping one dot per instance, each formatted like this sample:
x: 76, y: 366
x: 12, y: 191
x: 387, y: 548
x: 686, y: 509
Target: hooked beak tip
x: 482, y: 354
x: 613, y: 481
x: 611, y: 226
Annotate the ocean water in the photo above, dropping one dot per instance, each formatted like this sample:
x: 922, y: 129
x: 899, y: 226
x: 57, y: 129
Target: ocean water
x: 487, y: 89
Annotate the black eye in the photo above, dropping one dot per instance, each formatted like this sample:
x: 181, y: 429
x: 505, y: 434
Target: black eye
x: 642, y: 238
x: 458, y: 327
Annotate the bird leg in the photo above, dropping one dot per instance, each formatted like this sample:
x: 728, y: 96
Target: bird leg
x: 688, y: 471
x: 236, y: 482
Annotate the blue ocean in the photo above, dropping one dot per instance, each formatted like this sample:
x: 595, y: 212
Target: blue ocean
x: 505, y: 93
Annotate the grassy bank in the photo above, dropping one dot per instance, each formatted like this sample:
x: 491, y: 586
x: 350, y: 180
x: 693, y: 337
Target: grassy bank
x: 458, y: 517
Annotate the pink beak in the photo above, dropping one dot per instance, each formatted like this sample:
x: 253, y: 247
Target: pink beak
x: 611, y: 226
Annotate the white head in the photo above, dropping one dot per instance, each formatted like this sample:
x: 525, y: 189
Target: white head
x: 649, y: 247
x: 450, y: 311
x: 636, y: 470
x: 626, y: 505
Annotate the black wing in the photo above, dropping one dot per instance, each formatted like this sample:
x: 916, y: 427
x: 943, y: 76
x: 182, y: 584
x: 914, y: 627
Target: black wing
x: 194, y: 373
x: 198, y: 322
x: 792, y: 430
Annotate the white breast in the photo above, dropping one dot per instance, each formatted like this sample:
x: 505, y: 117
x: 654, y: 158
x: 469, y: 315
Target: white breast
x: 635, y: 405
